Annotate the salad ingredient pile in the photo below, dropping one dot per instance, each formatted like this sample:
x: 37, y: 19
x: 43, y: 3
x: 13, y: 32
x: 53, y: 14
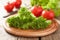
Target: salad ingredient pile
x: 26, y: 20
x: 48, y: 4
x: 39, y: 11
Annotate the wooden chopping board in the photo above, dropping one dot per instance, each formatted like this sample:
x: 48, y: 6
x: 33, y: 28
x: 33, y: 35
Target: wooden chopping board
x: 31, y: 33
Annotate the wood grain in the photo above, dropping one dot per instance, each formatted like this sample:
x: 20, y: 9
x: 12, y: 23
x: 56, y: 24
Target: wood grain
x: 54, y: 36
x: 22, y: 38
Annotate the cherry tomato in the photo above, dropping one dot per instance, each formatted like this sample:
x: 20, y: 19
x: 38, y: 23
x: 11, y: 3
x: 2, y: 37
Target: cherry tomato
x: 9, y: 7
x: 37, y: 10
x: 18, y: 3
x: 48, y: 14
x: 18, y: 0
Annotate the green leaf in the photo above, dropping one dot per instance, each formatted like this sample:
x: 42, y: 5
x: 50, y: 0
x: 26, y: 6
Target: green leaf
x: 26, y: 20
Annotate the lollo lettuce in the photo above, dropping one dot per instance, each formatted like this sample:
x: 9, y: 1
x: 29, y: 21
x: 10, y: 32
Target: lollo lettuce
x: 26, y: 20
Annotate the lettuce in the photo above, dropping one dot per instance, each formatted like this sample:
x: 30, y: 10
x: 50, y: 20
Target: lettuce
x: 26, y: 20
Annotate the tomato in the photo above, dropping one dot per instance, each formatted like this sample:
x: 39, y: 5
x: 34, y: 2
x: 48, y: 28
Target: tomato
x: 37, y: 10
x: 9, y: 7
x: 18, y: 3
x: 18, y: 0
x: 48, y: 14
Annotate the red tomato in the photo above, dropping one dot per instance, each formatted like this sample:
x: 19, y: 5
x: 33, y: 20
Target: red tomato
x: 48, y: 14
x: 18, y: 3
x: 9, y: 7
x: 18, y: 0
x: 37, y: 10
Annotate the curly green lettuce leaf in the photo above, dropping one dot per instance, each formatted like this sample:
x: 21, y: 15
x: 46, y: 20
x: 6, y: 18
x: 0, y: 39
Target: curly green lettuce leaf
x: 22, y: 20
x: 45, y: 3
x: 25, y: 20
x: 39, y: 2
x: 40, y: 23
